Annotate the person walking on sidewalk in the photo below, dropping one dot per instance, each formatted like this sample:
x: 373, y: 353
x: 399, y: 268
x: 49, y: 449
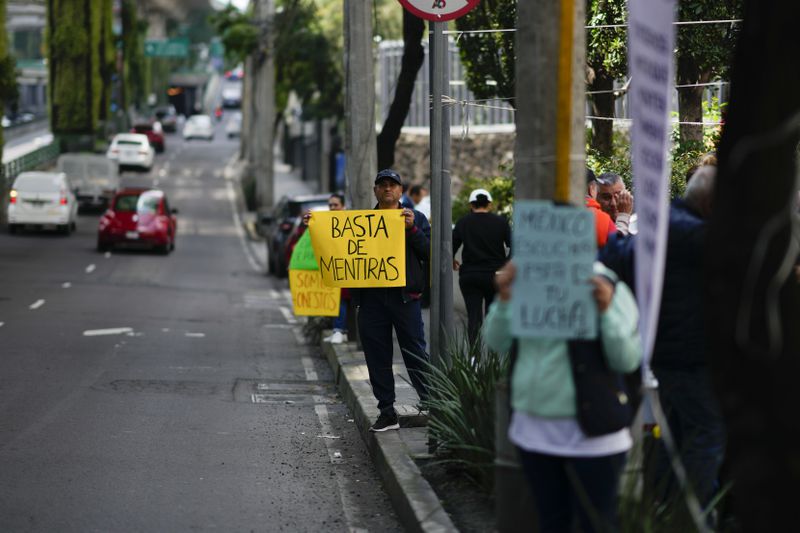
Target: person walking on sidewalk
x: 382, y: 309
x: 336, y: 203
x: 485, y: 237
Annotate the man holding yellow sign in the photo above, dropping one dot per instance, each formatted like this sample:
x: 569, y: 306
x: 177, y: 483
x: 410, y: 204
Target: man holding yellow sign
x: 380, y: 254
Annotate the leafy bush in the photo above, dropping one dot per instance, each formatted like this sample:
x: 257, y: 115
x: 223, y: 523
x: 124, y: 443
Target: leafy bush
x: 461, y: 389
x: 500, y: 186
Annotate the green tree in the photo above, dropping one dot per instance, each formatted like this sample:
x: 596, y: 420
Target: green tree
x: 134, y: 66
x: 607, y: 58
x: 704, y: 54
x: 73, y: 31
x: 489, y: 57
x: 8, y: 81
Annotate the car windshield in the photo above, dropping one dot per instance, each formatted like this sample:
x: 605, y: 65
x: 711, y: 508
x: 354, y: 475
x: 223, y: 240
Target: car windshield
x: 297, y: 208
x: 38, y: 183
x: 200, y: 121
x: 126, y: 142
x: 143, y: 204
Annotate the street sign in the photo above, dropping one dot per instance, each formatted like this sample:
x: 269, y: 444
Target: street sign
x: 167, y: 48
x: 439, y: 10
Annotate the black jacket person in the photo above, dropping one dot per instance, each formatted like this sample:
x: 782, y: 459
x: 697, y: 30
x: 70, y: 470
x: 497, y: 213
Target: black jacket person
x: 382, y: 309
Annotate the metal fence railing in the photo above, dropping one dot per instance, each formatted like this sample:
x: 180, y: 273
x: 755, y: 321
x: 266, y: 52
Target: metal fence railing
x: 30, y: 161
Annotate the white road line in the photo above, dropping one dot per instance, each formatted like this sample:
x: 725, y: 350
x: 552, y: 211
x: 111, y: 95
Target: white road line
x: 308, y: 367
x: 90, y: 268
x: 107, y: 255
x: 196, y: 335
x: 287, y: 295
x: 275, y: 295
x: 36, y: 305
x: 66, y: 285
x: 287, y: 314
x: 2, y: 324
x: 108, y: 331
x: 237, y: 223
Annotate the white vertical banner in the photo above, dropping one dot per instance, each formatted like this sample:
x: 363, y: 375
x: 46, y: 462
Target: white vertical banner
x: 651, y: 45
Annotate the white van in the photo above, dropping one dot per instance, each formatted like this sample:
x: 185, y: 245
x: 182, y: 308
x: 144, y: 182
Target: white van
x: 94, y: 177
x: 43, y: 199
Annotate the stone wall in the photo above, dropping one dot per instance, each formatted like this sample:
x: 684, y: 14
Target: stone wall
x: 478, y: 154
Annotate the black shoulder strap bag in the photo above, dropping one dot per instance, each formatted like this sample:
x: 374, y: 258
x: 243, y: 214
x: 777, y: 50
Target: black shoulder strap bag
x: 606, y: 401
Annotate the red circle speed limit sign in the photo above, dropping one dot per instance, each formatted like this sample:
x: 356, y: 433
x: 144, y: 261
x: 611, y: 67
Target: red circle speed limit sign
x: 439, y: 10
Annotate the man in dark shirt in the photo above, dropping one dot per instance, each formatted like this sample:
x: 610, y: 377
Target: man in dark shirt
x: 485, y: 237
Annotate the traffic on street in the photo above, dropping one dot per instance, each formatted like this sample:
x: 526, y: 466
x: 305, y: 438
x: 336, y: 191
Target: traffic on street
x: 150, y: 392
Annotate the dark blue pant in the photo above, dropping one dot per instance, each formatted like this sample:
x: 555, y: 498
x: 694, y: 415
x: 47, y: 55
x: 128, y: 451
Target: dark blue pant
x: 340, y: 322
x: 478, y: 290
x: 570, y: 488
x: 379, y: 311
x: 696, y: 423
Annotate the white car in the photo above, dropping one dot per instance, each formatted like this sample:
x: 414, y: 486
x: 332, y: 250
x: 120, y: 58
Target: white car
x: 234, y: 126
x: 198, y: 127
x: 42, y: 199
x: 131, y: 150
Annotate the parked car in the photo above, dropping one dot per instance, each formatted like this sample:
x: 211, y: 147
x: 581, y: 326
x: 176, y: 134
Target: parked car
x: 198, y: 127
x: 138, y: 218
x: 279, y: 223
x: 168, y: 118
x: 6, y: 121
x: 154, y: 132
x: 94, y: 178
x: 131, y: 150
x: 42, y: 199
x: 234, y: 126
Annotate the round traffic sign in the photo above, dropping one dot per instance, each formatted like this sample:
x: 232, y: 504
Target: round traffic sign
x: 439, y: 10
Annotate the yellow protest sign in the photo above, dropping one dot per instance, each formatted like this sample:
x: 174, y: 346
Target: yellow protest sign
x: 360, y: 248
x: 310, y: 297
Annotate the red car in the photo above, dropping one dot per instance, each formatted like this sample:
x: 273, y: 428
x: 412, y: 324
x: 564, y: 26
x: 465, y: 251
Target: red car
x: 138, y: 218
x: 154, y: 132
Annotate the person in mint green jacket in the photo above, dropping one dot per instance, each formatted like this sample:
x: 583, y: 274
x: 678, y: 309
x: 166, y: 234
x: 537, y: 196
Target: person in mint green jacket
x: 564, y: 467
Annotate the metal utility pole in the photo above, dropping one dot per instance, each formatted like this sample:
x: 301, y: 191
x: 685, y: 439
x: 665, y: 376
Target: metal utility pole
x: 549, y: 162
x: 441, y: 208
x: 359, y: 105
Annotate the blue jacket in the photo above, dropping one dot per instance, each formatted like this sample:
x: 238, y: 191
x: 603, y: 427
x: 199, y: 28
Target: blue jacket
x: 680, y: 336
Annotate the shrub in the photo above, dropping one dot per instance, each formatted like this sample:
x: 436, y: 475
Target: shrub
x: 500, y: 186
x: 460, y: 403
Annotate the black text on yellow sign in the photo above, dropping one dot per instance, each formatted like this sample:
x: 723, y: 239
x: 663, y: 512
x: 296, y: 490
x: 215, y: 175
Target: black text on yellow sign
x: 360, y: 248
x: 310, y: 297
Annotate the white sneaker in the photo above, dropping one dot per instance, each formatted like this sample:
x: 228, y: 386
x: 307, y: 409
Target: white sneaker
x: 337, y: 337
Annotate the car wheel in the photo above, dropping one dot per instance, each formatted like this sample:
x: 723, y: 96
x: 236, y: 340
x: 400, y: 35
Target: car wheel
x: 163, y: 249
x: 12, y: 229
x: 63, y: 229
x: 73, y: 226
x: 102, y: 246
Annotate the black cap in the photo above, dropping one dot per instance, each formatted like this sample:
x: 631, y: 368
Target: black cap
x: 390, y: 174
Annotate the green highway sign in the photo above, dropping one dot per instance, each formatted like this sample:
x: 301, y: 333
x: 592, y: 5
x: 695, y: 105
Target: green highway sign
x: 167, y: 48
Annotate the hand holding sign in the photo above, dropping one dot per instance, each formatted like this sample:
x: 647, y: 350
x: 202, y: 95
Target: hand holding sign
x: 361, y: 248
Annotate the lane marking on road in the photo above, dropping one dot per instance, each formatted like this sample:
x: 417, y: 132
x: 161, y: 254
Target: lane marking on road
x: 275, y: 295
x: 196, y: 335
x: 287, y: 314
x: 2, y: 324
x: 66, y: 285
x: 308, y: 367
x: 163, y: 172
x: 107, y: 331
x: 287, y: 295
x: 107, y: 255
x: 90, y: 268
x: 237, y: 224
x: 36, y: 305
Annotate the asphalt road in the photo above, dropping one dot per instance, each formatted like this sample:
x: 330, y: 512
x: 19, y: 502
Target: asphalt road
x: 195, y: 409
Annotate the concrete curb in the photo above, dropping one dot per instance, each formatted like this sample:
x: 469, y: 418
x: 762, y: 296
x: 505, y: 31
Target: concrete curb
x: 417, y: 505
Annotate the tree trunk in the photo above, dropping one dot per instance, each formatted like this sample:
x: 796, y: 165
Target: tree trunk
x: 753, y: 298
x: 603, y: 106
x: 413, y: 58
x: 690, y: 102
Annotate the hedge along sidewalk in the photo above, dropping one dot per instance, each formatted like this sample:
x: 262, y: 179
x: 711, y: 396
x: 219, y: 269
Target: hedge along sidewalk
x: 392, y: 452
